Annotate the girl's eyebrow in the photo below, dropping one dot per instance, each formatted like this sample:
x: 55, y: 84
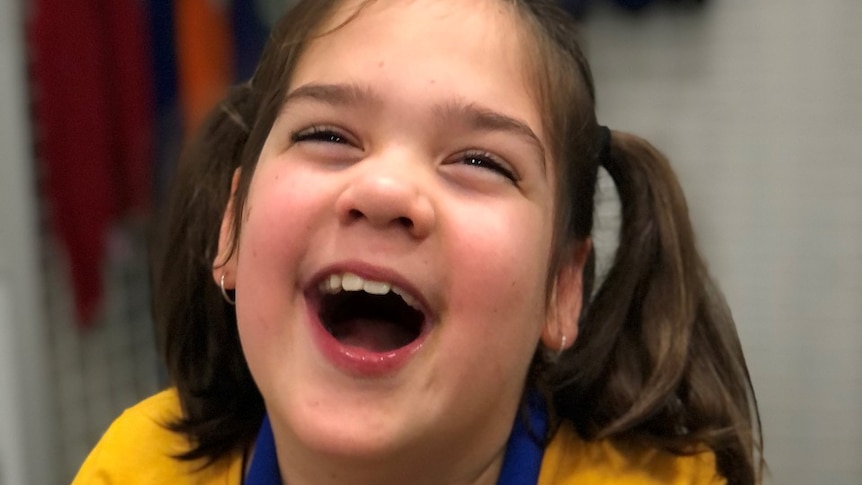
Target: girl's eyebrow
x: 334, y: 94
x: 483, y: 119
x: 477, y: 117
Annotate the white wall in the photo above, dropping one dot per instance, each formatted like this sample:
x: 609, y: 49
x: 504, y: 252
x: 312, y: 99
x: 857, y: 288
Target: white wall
x: 759, y: 106
x: 26, y: 455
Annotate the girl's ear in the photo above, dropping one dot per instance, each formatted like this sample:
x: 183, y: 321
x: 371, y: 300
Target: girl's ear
x: 225, y: 260
x: 564, y: 308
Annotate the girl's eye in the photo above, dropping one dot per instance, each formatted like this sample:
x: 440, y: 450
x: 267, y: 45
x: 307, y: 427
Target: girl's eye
x: 321, y: 134
x: 489, y: 162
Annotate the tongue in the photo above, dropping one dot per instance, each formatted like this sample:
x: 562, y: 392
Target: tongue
x: 372, y: 335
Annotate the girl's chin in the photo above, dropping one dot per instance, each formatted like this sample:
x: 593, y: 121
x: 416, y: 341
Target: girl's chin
x: 353, y: 439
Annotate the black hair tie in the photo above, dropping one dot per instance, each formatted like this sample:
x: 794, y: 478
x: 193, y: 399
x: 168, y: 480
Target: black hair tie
x: 604, y: 145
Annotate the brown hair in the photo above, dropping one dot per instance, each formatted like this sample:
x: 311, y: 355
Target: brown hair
x: 657, y: 360
x: 195, y: 327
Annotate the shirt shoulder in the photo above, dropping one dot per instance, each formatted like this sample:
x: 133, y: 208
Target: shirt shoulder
x: 569, y: 460
x: 139, y: 448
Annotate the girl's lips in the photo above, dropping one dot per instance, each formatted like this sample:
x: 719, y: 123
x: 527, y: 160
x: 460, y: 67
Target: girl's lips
x: 358, y: 361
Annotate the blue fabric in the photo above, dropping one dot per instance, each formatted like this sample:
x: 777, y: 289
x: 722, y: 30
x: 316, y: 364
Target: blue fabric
x: 521, y: 464
x: 525, y: 449
x: 168, y: 125
x: 161, y: 13
x: 249, y: 36
x: 633, y: 4
x: 264, y: 464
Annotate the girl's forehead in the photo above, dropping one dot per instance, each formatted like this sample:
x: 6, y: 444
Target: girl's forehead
x: 476, y: 45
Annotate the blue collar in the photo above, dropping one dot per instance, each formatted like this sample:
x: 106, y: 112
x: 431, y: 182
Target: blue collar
x: 521, y: 463
x: 264, y: 463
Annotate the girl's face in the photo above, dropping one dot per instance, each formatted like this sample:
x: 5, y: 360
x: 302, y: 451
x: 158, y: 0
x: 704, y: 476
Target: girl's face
x: 409, y: 159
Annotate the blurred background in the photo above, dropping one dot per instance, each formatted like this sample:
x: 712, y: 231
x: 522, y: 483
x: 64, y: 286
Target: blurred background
x: 758, y: 105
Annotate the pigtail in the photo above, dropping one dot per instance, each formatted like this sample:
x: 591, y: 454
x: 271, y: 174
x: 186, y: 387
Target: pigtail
x: 657, y: 359
x: 196, y: 327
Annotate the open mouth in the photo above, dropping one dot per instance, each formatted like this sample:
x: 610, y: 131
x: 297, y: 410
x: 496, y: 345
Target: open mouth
x: 371, y: 315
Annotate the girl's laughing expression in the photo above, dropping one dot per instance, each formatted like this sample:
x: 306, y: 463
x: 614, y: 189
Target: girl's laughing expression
x: 392, y: 262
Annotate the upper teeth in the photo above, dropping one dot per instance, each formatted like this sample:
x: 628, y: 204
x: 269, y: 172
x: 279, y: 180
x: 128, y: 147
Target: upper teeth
x: 352, y: 282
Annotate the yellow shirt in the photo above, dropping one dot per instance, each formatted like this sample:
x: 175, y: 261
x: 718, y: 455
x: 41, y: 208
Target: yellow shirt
x: 569, y: 460
x: 137, y: 449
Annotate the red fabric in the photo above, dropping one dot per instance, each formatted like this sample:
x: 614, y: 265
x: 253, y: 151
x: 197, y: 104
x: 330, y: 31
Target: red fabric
x: 93, y: 96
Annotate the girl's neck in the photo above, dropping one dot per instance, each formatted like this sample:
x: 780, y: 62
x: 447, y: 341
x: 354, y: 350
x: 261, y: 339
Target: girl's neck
x: 472, y: 459
x: 419, y: 469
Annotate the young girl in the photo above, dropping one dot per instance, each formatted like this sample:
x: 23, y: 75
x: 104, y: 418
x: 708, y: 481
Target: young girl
x: 378, y: 270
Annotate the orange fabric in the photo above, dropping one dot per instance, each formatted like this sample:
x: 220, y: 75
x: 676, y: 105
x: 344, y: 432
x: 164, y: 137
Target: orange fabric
x: 204, y: 55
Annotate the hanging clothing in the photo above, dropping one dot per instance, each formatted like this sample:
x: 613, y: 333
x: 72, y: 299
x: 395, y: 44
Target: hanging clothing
x: 93, y: 106
x: 250, y: 34
x: 205, y: 57
x: 168, y: 125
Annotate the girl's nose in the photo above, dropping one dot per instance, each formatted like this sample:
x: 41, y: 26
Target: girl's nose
x: 387, y: 197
